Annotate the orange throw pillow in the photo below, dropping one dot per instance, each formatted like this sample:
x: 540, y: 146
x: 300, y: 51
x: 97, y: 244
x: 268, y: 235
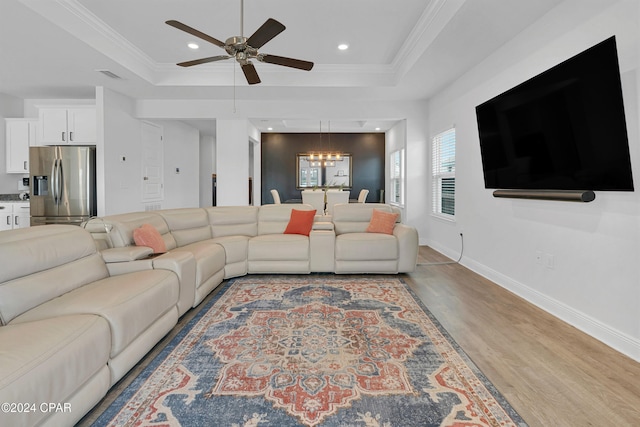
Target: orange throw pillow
x: 300, y: 222
x: 382, y: 222
x: 147, y: 235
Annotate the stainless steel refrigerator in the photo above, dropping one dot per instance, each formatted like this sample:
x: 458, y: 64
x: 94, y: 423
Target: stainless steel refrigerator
x: 63, y: 184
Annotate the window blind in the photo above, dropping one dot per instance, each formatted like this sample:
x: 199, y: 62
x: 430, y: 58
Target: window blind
x: 443, y: 172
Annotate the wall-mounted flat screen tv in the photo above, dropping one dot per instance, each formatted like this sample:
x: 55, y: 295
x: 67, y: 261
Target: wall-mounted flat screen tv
x: 564, y: 129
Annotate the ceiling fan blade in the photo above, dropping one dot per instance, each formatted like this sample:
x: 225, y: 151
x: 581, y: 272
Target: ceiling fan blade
x: 266, y: 32
x: 194, y: 32
x: 203, y: 60
x: 287, y: 62
x: 250, y: 73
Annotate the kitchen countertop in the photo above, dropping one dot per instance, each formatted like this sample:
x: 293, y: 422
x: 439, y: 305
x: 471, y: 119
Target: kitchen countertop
x: 15, y: 198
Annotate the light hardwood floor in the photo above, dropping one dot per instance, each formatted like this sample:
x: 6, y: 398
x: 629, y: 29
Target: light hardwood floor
x: 551, y: 373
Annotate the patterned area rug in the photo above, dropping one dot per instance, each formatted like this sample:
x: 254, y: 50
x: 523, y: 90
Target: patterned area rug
x: 312, y: 351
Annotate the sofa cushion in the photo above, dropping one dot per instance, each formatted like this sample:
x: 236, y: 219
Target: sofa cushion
x: 300, y: 222
x: 130, y: 303
x: 355, y: 217
x: 235, y: 247
x: 187, y: 225
x: 235, y: 250
x: 366, y: 247
x: 210, y: 259
x: 48, y: 360
x: 233, y: 220
x: 42, y: 263
x: 147, y: 235
x: 382, y: 222
x: 121, y: 227
x: 273, y: 219
x: 279, y: 247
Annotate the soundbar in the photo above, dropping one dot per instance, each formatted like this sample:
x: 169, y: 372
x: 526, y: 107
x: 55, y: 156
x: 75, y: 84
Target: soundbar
x: 562, y: 195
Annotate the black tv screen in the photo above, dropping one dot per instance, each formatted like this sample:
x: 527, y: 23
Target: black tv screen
x: 564, y: 129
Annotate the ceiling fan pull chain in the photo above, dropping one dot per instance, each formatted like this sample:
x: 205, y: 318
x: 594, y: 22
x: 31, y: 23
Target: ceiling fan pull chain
x: 241, y: 18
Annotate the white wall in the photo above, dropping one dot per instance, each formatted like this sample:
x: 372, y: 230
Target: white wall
x: 121, y: 137
x: 119, y: 183
x: 595, y: 280
x: 414, y: 112
x: 207, y: 168
x: 10, y: 107
x: 181, y: 151
x: 232, y: 162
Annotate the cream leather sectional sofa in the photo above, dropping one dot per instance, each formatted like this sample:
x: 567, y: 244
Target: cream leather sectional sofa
x: 80, y: 306
x: 70, y: 329
x: 231, y: 241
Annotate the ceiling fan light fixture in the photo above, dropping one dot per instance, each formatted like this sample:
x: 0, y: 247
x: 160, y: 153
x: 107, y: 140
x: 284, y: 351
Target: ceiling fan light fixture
x: 244, y: 49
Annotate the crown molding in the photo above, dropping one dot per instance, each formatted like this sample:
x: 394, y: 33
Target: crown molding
x: 80, y: 22
x: 434, y: 18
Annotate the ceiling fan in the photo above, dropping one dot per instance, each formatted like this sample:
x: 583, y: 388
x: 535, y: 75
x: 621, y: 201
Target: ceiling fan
x: 244, y: 49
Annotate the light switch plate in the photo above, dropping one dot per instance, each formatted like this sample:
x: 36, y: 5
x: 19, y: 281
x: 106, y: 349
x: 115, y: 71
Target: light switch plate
x: 21, y: 186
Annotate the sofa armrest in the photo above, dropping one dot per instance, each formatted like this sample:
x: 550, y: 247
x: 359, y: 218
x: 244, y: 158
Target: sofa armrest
x: 127, y: 260
x: 407, y: 247
x: 322, y: 244
x: 322, y: 225
x: 126, y: 254
x: 183, y: 264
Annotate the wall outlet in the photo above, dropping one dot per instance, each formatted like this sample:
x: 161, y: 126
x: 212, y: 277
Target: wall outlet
x: 22, y: 186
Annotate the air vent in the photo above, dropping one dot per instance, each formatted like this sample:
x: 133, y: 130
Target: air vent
x: 109, y: 74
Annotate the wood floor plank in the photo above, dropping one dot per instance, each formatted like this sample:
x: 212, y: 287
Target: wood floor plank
x: 551, y: 373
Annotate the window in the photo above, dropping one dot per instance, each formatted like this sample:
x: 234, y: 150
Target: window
x: 309, y: 177
x: 444, y: 173
x: 396, y: 180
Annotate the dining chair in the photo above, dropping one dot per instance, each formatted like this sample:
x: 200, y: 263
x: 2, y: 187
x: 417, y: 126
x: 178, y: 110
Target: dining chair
x: 362, y: 197
x: 315, y: 199
x: 276, y: 196
x: 335, y: 197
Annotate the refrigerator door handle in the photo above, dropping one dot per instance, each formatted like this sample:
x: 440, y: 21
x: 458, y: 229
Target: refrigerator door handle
x: 60, y: 180
x: 88, y: 169
x: 53, y: 180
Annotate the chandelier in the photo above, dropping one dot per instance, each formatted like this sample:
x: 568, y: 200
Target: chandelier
x: 323, y: 157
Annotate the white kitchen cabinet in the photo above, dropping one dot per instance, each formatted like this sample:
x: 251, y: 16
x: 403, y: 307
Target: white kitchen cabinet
x: 21, y: 215
x: 6, y: 216
x: 60, y: 125
x: 14, y: 215
x: 20, y: 135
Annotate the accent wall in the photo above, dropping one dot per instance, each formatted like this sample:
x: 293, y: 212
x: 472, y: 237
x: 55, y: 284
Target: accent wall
x: 279, y: 161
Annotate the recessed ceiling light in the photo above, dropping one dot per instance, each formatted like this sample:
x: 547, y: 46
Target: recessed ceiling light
x: 377, y: 128
x: 269, y: 128
x: 193, y: 45
x: 343, y: 46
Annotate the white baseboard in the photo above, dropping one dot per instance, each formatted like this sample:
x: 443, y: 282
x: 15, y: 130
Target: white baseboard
x: 615, y: 339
